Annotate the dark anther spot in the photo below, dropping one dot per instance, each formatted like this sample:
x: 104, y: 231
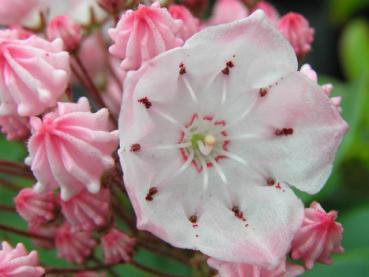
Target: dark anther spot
x: 135, y: 147
x: 270, y: 181
x: 263, y: 92
x: 182, y: 69
x: 238, y: 213
x: 152, y: 191
x: 146, y: 102
x: 284, y: 132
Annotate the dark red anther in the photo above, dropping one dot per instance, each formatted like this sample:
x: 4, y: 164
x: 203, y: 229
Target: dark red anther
x: 230, y: 64
x: 284, y: 132
x: 238, y: 213
x: 263, y: 92
x: 151, y: 193
x: 146, y: 102
x: 182, y: 69
x: 270, y: 181
x: 278, y: 186
x: 135, y: 147
x: 225, y: 71
x: 193, y: 219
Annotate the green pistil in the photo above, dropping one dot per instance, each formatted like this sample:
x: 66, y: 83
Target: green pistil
x: 195, y: 139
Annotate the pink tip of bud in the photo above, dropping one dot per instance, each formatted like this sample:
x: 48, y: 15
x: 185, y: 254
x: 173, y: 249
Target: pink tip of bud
x: 318, y: 237
x: 298, y: 32
x: 14, y: 127
x: 65, y: 28
x: 117, y: 246
x: 35, y: 208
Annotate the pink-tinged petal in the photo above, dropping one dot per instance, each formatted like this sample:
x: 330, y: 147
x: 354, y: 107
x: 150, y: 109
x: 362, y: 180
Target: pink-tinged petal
x: 319, y: 237
x: 197, y: 126
x: 87, y: 211
x: 74, y: 246
x: 46, y: 230
x: 66, y: 29
x: 226, y: 11
x: 36, y: 208
x: 117, y: 246
x: 142, y: 34
x: 226, y: 269
x: 71, y: 148
x: 16, y: 262
x: 34, y: 73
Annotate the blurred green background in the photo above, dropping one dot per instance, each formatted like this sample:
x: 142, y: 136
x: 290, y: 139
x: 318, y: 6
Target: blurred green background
x: 340, y: 56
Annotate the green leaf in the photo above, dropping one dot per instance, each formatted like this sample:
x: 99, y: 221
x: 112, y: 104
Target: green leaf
x: 341, y: 10
x: 11, y: 150
x: 354, y: 49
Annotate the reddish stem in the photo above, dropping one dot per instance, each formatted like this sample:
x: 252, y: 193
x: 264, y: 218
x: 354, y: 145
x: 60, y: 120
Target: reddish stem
x: 7, y: 208
x: 9, y: 185
x: 24, y: 233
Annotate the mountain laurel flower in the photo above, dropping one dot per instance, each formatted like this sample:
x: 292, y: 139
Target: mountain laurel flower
x: 34, y: 73
x: 117, y: 246
x: 14, y: 127
x: 87, y: 211
x: 190, y: 25
x: 226, y: 11
x: 74, y: 246
x: 71, y: 147
x: 309, y: 72
x: 36, y: 208
x: 16, y: 262
x: 144, y: 33
x: 227, y: 269
x: 298, y: 32
x: 210, y: 142
x: 66, y: 29
x: 318, y: 237
x: 270, y: 11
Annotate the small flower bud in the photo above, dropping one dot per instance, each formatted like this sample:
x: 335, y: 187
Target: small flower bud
x: 112, y: 6
x: 297, y: 30
x: 65, y: 28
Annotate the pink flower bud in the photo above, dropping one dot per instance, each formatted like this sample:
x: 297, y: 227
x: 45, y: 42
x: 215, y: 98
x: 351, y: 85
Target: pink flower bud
x: 297, y: 30
x: 16, y: 262
x: 142, y: 34
x: 35, y: 208
x: 71, y: 147
x: 112, y: 6
x: 117, y: 246
x: 74, y: 246
x: 65, y: 28
x: 47, y: 230
x: 191, y: 24
x: 14, y: 126
x: 226, y: 11
x: 318, y: 237
x: 270, y: 11
x: 86, y: 210
x: 34, y: 73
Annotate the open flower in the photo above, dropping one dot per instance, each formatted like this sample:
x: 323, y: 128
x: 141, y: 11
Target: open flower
x: 149, y: 26
x: 86, y: 211
x: 34, y: 73
x: 319, y: 236
x: 213, y: 135
x: 226, y: 269
x: 71, y: 147
x: 16, y: 262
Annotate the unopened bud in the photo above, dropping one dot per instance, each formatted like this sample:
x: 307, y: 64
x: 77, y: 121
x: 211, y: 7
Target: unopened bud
x: 65, y: 28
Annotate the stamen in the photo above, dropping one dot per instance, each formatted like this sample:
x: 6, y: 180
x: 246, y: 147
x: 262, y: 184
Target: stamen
x: 171, y: 120
x: 182, y: 69
x: 205, y: 180
x: 193, y: 219
x: 284, y: 132
x: 224, y: 92
x: 233, y: 157
x: 152, y: 191
x: 189, y: 88
x: 135, y: 147
x: 243, y: 137
x: 169, y: 146
x: 243, y: 115
x: 218, y: 169
x: 238, y: 213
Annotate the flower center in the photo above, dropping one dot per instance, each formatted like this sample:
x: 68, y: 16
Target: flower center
x: 206, y: 141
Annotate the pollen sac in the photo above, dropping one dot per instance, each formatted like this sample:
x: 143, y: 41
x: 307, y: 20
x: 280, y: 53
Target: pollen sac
x: 146, y: 102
